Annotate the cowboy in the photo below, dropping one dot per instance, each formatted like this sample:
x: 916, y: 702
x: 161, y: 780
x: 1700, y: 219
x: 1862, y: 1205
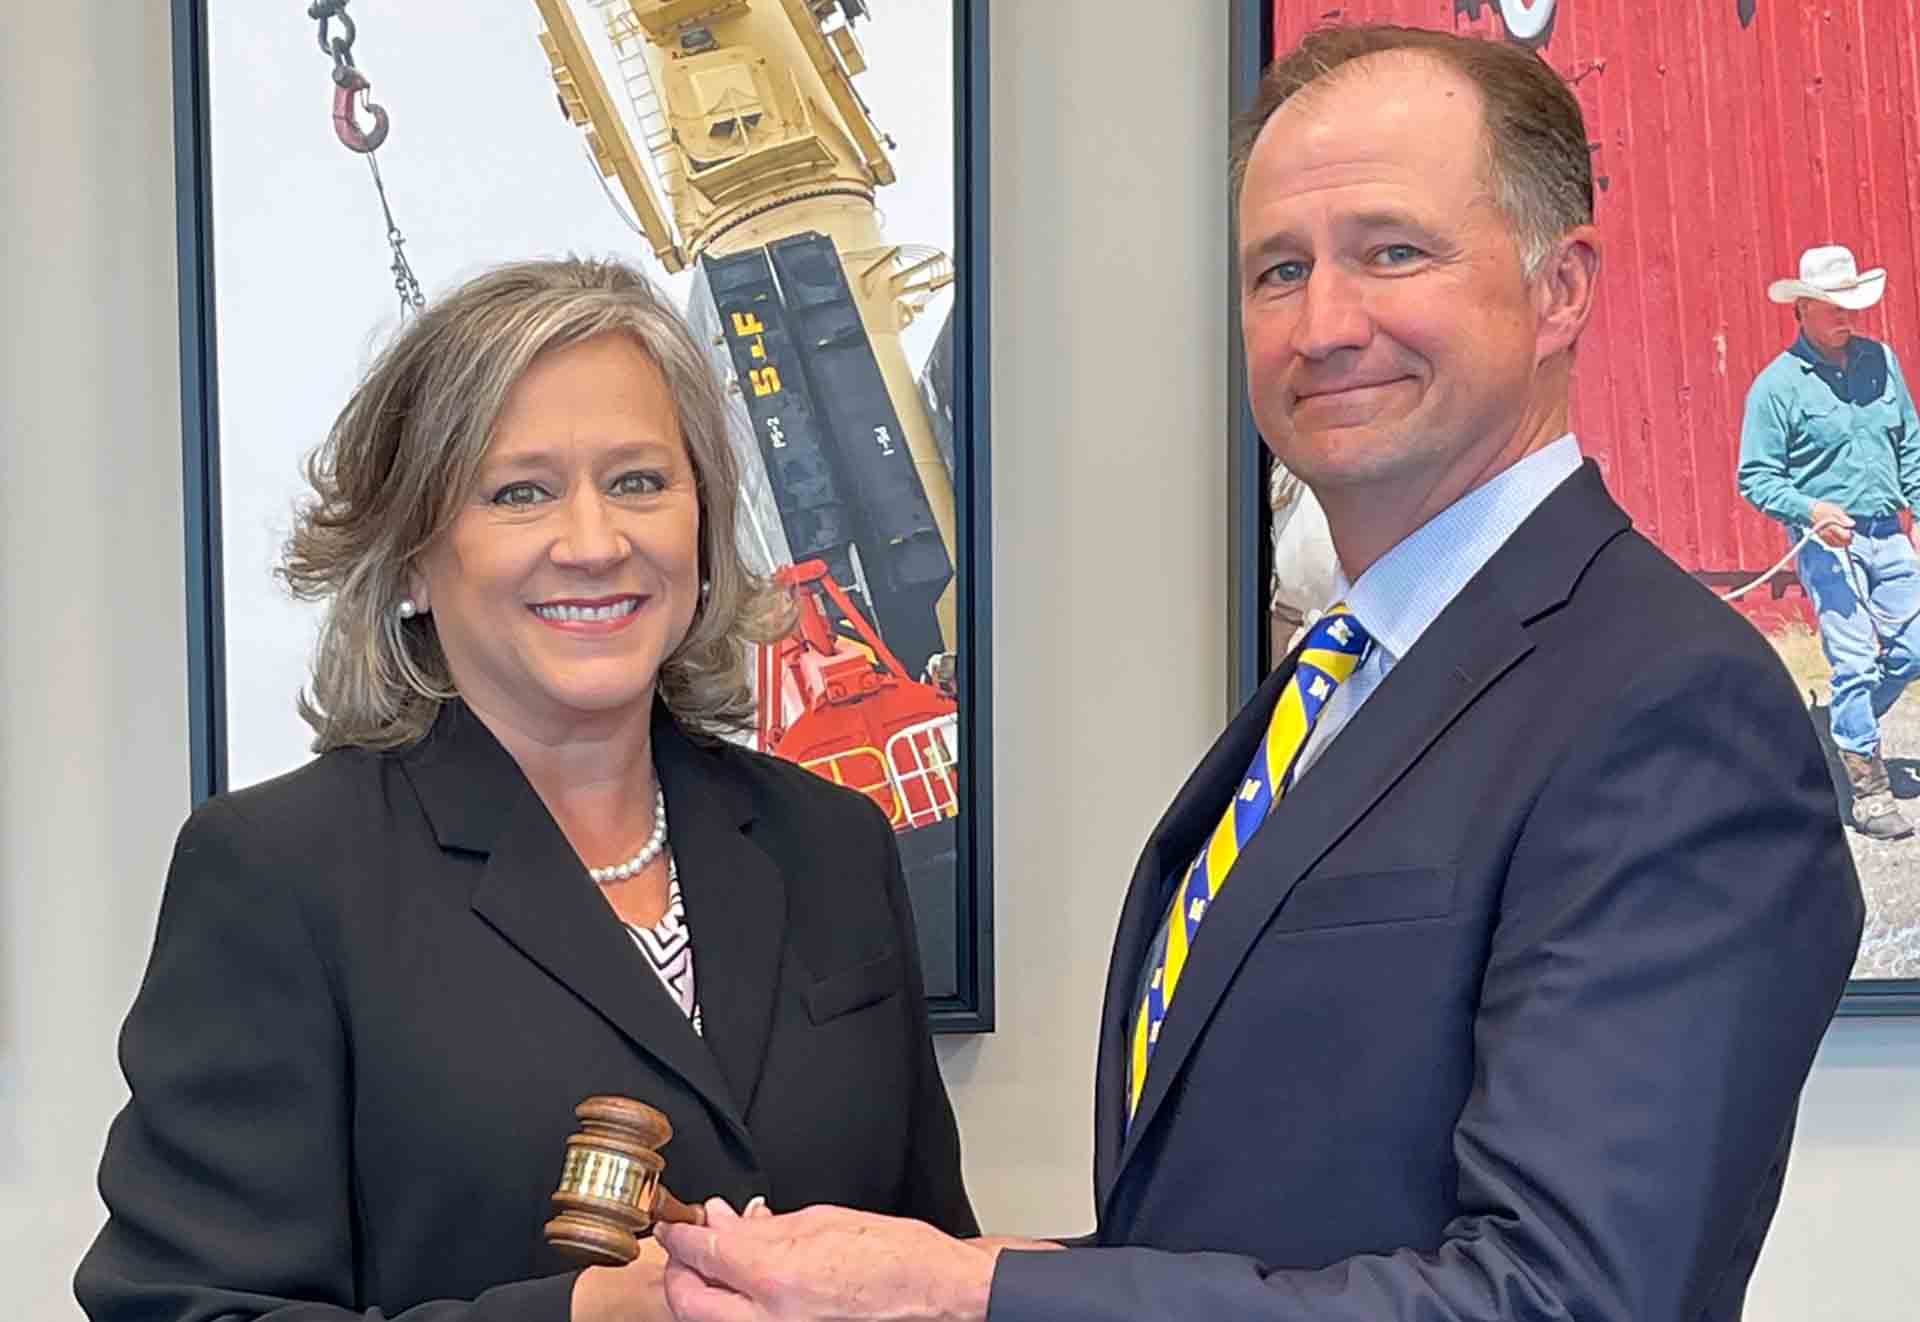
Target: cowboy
x: 1831, y: 446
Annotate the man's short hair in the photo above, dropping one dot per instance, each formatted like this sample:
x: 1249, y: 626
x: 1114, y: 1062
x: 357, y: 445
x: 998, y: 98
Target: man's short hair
x: 1537, y: 165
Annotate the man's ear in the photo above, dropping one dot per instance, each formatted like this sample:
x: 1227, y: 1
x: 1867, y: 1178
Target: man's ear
x: 1564, y: 290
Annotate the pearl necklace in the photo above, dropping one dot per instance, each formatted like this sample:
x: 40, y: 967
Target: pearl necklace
x: 648, y: 852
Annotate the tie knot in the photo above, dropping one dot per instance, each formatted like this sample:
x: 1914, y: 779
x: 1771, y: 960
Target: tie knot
x: 1338, y: 631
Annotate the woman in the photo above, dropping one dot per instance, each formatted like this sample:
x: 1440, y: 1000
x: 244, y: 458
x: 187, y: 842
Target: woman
x: 523, y: 869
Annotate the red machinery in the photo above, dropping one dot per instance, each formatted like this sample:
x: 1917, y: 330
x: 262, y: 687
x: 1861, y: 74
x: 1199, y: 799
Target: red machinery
x: 847, y: 710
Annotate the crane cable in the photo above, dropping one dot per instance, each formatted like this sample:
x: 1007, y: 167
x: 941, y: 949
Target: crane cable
x: 350, y: 88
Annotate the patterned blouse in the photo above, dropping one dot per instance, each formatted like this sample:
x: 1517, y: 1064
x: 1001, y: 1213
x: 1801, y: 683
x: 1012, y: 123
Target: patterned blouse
x: 668, y: 946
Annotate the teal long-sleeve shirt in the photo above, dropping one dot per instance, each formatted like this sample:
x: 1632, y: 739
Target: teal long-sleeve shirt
x: 1814, y: 431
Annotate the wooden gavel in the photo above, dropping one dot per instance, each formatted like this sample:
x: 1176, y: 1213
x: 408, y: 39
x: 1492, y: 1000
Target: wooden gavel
x: 610, y: 1193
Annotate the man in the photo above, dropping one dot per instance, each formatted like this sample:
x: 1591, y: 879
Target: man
x: 1476, y: 971
x: 1831, y: 443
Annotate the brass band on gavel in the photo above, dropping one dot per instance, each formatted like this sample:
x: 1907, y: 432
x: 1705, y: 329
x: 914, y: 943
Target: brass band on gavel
x: 610, y: 1192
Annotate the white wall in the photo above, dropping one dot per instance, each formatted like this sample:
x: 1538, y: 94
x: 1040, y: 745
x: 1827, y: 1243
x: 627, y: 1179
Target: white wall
x: 1844, y: 1245
x: 93, y: 765
x: 1108, y: 263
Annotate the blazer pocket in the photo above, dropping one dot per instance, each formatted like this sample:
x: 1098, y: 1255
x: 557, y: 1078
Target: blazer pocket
x: 858, y: 987
x: 1356, y: 899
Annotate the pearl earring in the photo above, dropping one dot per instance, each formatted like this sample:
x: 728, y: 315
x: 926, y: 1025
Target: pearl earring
x: 706, y: 588
x: 407, y: 609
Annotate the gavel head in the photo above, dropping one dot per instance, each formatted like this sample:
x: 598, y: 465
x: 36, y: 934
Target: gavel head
x: 609, y: 1192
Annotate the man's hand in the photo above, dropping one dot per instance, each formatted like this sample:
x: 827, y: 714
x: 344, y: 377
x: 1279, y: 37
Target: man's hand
x: 1831, y: 524
x: 824, y: 1263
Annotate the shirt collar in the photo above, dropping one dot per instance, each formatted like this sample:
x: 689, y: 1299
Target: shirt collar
x: 1404, y: 591
x: 1802, y: 348
x: 1862, y: 377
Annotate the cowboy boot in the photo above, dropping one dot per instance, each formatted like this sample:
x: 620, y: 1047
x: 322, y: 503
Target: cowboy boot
x: 1875, y: 814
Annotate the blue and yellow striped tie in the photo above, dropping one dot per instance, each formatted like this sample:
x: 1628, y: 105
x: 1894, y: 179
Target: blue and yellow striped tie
x: 1334, y: 648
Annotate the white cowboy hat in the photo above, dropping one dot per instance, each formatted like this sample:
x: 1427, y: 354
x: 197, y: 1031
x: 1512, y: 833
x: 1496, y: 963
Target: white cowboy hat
x: 1829, y: 275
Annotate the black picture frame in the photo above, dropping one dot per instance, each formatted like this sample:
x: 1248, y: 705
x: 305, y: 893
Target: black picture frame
x: 968, y: 946
x: 1249, y: 549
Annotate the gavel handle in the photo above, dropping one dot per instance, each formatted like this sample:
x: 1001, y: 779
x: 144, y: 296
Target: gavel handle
x: 668, y: 1208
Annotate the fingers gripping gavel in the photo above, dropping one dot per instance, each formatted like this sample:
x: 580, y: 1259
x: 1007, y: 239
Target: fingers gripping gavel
x: 610, y: 1192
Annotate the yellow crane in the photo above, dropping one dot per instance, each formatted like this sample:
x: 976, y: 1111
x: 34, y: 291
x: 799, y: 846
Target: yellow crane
x: 752, y: 128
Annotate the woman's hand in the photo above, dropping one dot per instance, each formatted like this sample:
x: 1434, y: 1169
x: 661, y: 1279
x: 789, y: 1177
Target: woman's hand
x: 633, y: 1293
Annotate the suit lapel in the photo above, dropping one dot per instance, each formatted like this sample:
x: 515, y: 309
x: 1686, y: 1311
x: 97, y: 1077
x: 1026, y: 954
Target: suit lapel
x: 736, y: 905
x: 1186, y: 824
x: 1476, y: 639
x: 537, y: 896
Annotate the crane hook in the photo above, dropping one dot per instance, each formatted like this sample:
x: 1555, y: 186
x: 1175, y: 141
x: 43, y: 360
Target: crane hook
x: 349, y: 83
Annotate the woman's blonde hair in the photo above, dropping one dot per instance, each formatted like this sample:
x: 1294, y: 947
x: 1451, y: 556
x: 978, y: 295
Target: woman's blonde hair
x: 402, y: 456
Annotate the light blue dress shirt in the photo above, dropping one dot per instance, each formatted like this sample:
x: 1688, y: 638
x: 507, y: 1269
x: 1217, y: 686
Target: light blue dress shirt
x: 1403, y: 592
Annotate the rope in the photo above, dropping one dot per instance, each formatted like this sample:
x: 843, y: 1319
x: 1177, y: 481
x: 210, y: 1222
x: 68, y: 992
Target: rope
x: 1883, y: 626
x: 1781, y: 563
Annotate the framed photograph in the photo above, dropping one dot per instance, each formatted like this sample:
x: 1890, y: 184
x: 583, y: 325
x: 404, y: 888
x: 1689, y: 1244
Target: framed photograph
x: 1762, y: 283
x: 805, y: 178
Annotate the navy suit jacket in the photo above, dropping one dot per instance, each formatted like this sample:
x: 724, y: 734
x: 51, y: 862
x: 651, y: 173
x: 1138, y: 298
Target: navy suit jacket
x: 1505, y: 1011
x: 382, y: 982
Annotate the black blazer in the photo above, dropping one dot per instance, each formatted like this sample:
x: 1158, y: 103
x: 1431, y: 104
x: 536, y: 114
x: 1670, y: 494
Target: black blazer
x: 381, y: 983
x: 1505, y: 1011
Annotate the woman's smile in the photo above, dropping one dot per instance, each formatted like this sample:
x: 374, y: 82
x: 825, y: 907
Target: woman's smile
x: 589, y: 617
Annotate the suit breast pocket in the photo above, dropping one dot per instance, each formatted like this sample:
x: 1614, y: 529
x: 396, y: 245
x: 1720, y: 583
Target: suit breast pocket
x: 1359, y: 899
x: 853, y: 989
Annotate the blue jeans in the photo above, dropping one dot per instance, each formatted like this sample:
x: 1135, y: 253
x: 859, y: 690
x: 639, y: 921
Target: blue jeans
x: 1869, y: 669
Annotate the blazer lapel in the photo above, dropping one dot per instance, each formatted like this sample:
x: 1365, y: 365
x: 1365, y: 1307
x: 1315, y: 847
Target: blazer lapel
x: 736, y: 905
x: 1194, y: 813
x: 1477, y: 638
x: 535, y: 894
